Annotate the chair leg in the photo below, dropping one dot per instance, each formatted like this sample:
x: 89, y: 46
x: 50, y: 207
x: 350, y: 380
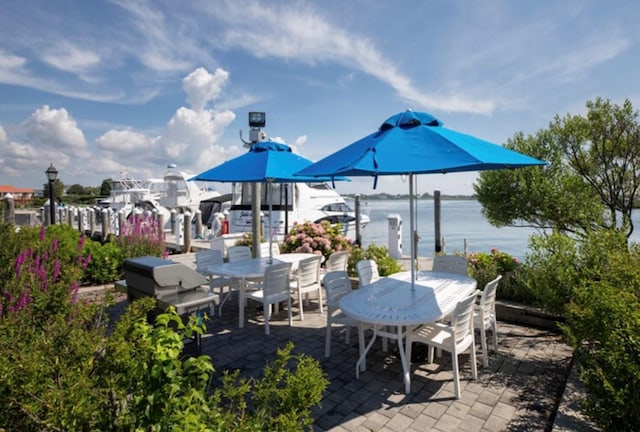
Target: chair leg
x: 300, y: 305
x: 289, y: 310
x: 327, y: 338
x: 267, y: 312
x: 320, y: 299
x: 456, y: 373
x: 474, y: 365
x: 483, y: 342
x: 494, y: 330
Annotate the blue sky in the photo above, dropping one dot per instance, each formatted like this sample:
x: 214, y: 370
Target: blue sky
x: 101, y: 88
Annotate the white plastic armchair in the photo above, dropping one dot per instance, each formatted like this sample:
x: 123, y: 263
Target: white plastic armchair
x: 450, y: 264
x: 367, y: 272
x: 337, y: 284
x: 484, y: 318
x: 205, y: 258
x: 456, y: 338
x: 307, y: 280
x: 271, y: 290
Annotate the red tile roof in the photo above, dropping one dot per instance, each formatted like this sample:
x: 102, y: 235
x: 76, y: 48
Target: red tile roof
x: 13, y: 189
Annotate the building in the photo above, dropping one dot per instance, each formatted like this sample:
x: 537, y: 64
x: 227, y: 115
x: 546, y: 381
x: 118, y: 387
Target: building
x: 21, y: 196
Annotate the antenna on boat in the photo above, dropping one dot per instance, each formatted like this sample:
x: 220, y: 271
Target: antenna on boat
x: 257, y: 120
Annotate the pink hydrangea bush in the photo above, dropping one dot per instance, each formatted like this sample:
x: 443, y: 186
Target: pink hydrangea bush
x: 319, y: 238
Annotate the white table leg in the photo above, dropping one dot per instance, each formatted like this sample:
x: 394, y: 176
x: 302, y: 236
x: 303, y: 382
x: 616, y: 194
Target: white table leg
x: 362, y: 361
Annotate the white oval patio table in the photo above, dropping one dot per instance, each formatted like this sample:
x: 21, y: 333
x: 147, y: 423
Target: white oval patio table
x: 253, y: 269
x: 390, y: 302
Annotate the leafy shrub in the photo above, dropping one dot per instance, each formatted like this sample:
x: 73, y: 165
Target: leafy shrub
x: 485, y: 267
x: 322, y: 238
x: 380, y: 254
x: 106, y: 262
x: 141, y: 236
x: 45, y: 274
x: 603, y: 326
x: 58, y: 370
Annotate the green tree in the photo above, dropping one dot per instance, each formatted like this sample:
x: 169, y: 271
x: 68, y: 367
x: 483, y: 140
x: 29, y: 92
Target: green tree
x: 76, y: 189
x: 58, y: 189
x: 105, y: 187
x: 591, y: 181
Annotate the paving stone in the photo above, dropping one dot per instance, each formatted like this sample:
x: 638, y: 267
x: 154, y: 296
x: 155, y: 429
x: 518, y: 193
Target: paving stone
x: 517, y: 392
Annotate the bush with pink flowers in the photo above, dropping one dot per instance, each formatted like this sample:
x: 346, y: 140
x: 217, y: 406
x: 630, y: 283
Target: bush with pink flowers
x: 319, y: 238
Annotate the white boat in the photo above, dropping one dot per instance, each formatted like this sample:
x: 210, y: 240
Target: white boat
x: 293, y: 203
x: 126, y: 192
x: 172, y: 192
x: 182, y: 195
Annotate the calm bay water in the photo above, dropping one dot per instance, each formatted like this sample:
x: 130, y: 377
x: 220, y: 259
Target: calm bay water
x: 460, y: 220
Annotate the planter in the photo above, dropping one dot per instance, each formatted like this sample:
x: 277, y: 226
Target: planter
x: 527, y: 316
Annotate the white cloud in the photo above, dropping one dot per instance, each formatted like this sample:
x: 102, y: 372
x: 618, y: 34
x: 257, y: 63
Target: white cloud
x: 125, y: 142
x: 55, y: 129
x: 190, y: 133
x: 10, y: 61
x: 202, y: 86
x: 68, y: 57
x: 299, y: 34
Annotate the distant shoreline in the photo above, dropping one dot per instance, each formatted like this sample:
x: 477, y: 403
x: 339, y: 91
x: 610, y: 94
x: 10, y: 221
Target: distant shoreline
x: 404, y: 197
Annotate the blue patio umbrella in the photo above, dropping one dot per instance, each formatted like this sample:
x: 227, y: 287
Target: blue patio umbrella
x: 411, y: 143
x: 265, y: 162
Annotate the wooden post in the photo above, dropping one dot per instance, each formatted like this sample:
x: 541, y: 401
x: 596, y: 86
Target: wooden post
x: 105, y: 225
x: 92, y: 221
x: 122, y: 221
x: 436, y: 216
x: 174, y: 224
x: 81, y: 214
x: 9, y: 209
x: 198, y: 216
x: 187, y: 233
x: 160, y: 221
x: 70, y: 216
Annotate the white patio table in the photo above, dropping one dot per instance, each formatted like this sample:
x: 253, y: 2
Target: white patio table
x: 390, y: 302
x: 253, y: 269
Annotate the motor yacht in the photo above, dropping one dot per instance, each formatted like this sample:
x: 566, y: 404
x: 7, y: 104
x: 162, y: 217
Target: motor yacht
x: 292, y: 203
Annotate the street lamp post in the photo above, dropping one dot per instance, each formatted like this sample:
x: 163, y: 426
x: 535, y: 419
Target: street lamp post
x: 52, y: 174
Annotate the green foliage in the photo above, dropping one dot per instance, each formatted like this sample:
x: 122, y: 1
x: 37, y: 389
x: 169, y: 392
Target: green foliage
x: 590, y: 182
x: 485, y: 267
x: 603, y: 325
x: 141, y: 236
x: 282, y: 398
x: 45, y: 273
x: 106, y: 262
x: 320, y: 237
x: 62, y: 369
x: 380, y: 254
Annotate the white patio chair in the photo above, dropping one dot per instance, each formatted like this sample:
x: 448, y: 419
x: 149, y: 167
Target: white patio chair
x: 205, y: 258
x: 264, y: 249
x: 271, y: 290
x: 450, y: 264
x: 484, y: 318
x: 456, y: 338
x: 307, y: 280
x: 337, y: 261
x: 367, y: 272
x: 337, y: 284
x: 237, y: 253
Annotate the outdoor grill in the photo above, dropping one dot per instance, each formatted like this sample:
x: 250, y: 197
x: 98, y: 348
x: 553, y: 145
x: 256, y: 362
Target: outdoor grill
x: 171, y: 283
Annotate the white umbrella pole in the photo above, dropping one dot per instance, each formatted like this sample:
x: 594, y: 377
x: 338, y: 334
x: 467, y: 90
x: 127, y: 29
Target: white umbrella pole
x: 411, y: 228
x: 270, y: 222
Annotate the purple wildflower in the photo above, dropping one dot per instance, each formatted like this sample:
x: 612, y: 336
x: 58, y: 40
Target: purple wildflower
x: 42, y: 233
